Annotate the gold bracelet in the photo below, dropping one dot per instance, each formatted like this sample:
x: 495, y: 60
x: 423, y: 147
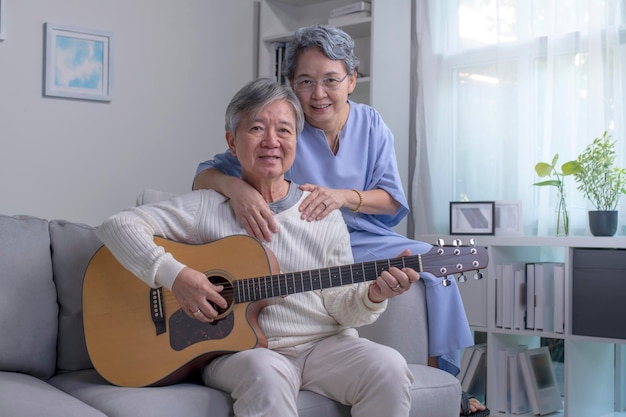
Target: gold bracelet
x: 360, y: 201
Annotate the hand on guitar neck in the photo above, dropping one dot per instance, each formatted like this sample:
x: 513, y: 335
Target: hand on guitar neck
x: 392, y: 282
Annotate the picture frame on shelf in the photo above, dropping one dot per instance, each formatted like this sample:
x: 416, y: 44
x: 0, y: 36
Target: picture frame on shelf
x: 78, y: 63
x: 472, y: 217
x: 508, y: 218
x: 3, y: 19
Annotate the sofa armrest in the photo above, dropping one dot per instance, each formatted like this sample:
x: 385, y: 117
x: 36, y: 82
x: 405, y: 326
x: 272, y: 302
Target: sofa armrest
x: 404, y: 325
x: 149, y: 196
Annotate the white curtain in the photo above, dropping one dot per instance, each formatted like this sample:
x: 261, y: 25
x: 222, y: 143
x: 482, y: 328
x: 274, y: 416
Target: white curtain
x: 503, y: 84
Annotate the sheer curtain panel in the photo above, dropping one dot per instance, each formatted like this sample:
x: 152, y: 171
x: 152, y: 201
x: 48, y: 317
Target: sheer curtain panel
x: 503, y: 84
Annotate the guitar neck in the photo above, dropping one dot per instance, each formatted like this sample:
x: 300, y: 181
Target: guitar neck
x: 259, y: 288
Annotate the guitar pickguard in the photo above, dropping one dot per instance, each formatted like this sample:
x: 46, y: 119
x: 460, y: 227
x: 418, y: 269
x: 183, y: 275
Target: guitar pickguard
x: 185, y: 331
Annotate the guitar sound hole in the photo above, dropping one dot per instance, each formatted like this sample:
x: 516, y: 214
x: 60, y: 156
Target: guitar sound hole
x: 227, y: 293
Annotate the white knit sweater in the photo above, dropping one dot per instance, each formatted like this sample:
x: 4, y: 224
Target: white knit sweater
x: 204, y: 216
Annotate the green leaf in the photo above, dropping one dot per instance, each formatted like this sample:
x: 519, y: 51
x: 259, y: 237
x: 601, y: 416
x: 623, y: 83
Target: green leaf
x: 554, y: 159
x: 570, y: 167
x: 543, y: 169
x: 555, y: 183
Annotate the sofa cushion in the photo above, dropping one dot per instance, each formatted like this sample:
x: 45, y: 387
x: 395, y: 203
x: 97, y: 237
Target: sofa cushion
x: 73, y: 245
x: 28, y: 307
x: 184, y: 399
x: 435, y: 393
x: 25, y: 396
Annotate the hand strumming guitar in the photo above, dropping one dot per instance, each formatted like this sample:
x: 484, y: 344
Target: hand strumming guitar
x: 194, y: 293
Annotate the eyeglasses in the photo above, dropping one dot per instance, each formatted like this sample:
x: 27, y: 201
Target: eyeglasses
x: 308, y: 86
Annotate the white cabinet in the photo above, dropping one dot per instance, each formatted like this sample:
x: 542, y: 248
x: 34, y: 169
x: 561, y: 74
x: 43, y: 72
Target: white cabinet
x: 593, y: 369
x: 382, y: 43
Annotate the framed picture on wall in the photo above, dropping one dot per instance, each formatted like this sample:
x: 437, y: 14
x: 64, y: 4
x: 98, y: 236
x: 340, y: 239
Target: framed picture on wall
x: 77, y: 62
x: 3, y: 19
x: 472, y: 217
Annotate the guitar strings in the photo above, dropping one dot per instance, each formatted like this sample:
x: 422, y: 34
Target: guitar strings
x: 276, y: 285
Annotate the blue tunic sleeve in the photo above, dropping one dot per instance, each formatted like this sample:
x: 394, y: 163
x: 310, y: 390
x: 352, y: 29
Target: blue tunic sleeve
x: 224, y: 162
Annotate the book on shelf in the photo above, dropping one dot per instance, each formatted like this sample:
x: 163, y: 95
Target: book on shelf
x: 530, y: 296
x: 544, y: 296
x: 475, y: 376
x: 559, y: 298
x: 505, y: 388
x: 501, y: 377
x: 519, y: 398
x: 499, y: 295
x: 348, y: 19
x: 507, y: 295
x: 509, y: 279
x: 519, y: 298
x: 540, y: 381
x: 358, y: 6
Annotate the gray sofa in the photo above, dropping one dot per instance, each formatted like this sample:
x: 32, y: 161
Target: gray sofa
x: 45, y: 368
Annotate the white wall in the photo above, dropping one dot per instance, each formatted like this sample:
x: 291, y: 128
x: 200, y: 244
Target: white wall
x: 177, y: 63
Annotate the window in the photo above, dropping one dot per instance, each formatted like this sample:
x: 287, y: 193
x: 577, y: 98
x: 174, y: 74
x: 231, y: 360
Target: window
x: 517, y: 81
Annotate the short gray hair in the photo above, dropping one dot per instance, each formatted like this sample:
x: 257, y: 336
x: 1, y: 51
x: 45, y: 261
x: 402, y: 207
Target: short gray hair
x: 253, y: 97
x: 334, y: 43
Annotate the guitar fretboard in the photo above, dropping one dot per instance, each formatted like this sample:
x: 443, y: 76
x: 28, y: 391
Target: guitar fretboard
x: 259, y: 288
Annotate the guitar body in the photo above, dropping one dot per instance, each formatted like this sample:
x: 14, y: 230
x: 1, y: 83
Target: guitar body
x: 129, y: 348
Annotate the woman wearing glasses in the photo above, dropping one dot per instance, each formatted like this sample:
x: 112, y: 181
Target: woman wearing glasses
x: 346, y: 159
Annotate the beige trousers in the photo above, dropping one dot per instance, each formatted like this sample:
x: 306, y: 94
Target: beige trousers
x: 372, y: 378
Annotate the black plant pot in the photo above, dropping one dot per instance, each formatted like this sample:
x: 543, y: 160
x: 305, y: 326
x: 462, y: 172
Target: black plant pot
x: 603, y: 223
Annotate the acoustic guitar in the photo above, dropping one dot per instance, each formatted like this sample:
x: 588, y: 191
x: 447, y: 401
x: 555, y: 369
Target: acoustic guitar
x: 139, y: 336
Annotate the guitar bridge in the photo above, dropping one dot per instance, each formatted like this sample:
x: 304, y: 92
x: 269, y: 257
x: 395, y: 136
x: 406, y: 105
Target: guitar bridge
x: 157, y: 310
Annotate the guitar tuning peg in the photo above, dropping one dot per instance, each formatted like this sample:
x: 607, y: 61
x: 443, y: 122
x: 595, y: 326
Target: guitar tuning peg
x: 472, y: 242
x: 446, y: 282
x: 456, y: 243
x: 440, y: 244
x: 462, y: 278
x: 478, y: 275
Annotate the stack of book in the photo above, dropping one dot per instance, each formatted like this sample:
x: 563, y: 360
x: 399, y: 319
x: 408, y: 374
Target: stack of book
x: 526, y: 381
x: 350, y: 13
x: 531, y: 296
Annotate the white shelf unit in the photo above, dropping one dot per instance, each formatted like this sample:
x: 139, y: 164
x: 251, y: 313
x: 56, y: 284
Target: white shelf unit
x: 593, y: 368
x: 383, y: 45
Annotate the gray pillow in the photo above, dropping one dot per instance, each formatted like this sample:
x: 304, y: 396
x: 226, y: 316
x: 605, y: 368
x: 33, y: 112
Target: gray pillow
x: 28, y: 302
x: 73, y: 245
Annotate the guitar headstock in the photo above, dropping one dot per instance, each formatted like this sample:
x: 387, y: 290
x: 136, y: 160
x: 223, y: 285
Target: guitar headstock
x: 445, y: 260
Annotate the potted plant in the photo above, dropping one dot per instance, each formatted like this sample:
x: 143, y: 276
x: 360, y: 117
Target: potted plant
x: 544, y: 169
x: 601, y: 182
